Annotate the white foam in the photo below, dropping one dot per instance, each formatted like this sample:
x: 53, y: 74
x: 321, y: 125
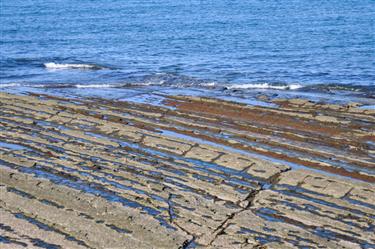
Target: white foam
x: 209, y: 84
x: 265, y: 86
x: 38, y: 85
x: 148, y: 83
x: 95, y: 86
x: 52, y: 65
x: 9, y: 85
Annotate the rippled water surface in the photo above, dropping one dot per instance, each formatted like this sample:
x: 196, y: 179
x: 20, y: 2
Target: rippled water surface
x: 188, y: 42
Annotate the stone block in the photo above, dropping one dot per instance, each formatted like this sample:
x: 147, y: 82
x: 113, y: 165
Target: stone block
x: 232, y: 161
x: 366, y: 195
x: 315, y: 183
x: 202, y: 154
x: 266, y: 170
x: 168, y: 145
x: 337, y: 189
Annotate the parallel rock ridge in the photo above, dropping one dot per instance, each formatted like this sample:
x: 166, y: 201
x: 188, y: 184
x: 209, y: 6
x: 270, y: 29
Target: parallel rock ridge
x: 196, y: 173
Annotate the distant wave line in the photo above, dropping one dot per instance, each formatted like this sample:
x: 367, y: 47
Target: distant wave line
x: 52, y: 65
x: 265, y: 86
x: 96, y: 86
x: 206, y: 85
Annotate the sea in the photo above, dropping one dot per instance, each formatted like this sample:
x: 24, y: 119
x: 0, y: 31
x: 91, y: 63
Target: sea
x: 219, y: 47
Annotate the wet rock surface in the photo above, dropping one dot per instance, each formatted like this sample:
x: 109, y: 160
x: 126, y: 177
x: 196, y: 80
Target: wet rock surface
x: 194, y: 173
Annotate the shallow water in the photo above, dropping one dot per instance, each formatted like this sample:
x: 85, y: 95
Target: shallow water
x: 12, y: 146
x: 188, y: 43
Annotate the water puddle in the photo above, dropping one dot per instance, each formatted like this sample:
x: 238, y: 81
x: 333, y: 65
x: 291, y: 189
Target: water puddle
x: 13, y: 146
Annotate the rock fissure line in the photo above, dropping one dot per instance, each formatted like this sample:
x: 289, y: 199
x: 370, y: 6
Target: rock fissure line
x: 220, y: 229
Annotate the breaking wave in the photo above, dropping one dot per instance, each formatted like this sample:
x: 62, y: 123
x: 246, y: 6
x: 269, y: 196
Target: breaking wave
x: 166, y: 80
x: 52, y: 65
x: 9, y: 85
x: 265, y: 86
x: 96, y: 86
x: 70, y: 85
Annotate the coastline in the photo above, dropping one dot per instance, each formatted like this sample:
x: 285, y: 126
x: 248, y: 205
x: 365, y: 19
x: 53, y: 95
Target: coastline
x: 191, y: 172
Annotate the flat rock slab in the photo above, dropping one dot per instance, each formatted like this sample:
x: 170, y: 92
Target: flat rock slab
x: 103, y: 174
x: 202, y: 154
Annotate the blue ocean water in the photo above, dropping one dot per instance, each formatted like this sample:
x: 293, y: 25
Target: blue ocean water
x: 238, y: 43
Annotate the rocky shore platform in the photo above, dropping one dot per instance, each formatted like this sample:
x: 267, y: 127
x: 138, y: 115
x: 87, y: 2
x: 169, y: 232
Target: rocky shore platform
x: 187, y: 173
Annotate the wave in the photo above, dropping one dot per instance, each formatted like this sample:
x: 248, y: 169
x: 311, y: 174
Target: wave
x: 264, y: 86
x: 367, y: 91
x: 9, y: 85
x: 208, y: 84
x: 341, y: 87
x: 72, y: 85
x: 52, y: 65
x: 96, y: 86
